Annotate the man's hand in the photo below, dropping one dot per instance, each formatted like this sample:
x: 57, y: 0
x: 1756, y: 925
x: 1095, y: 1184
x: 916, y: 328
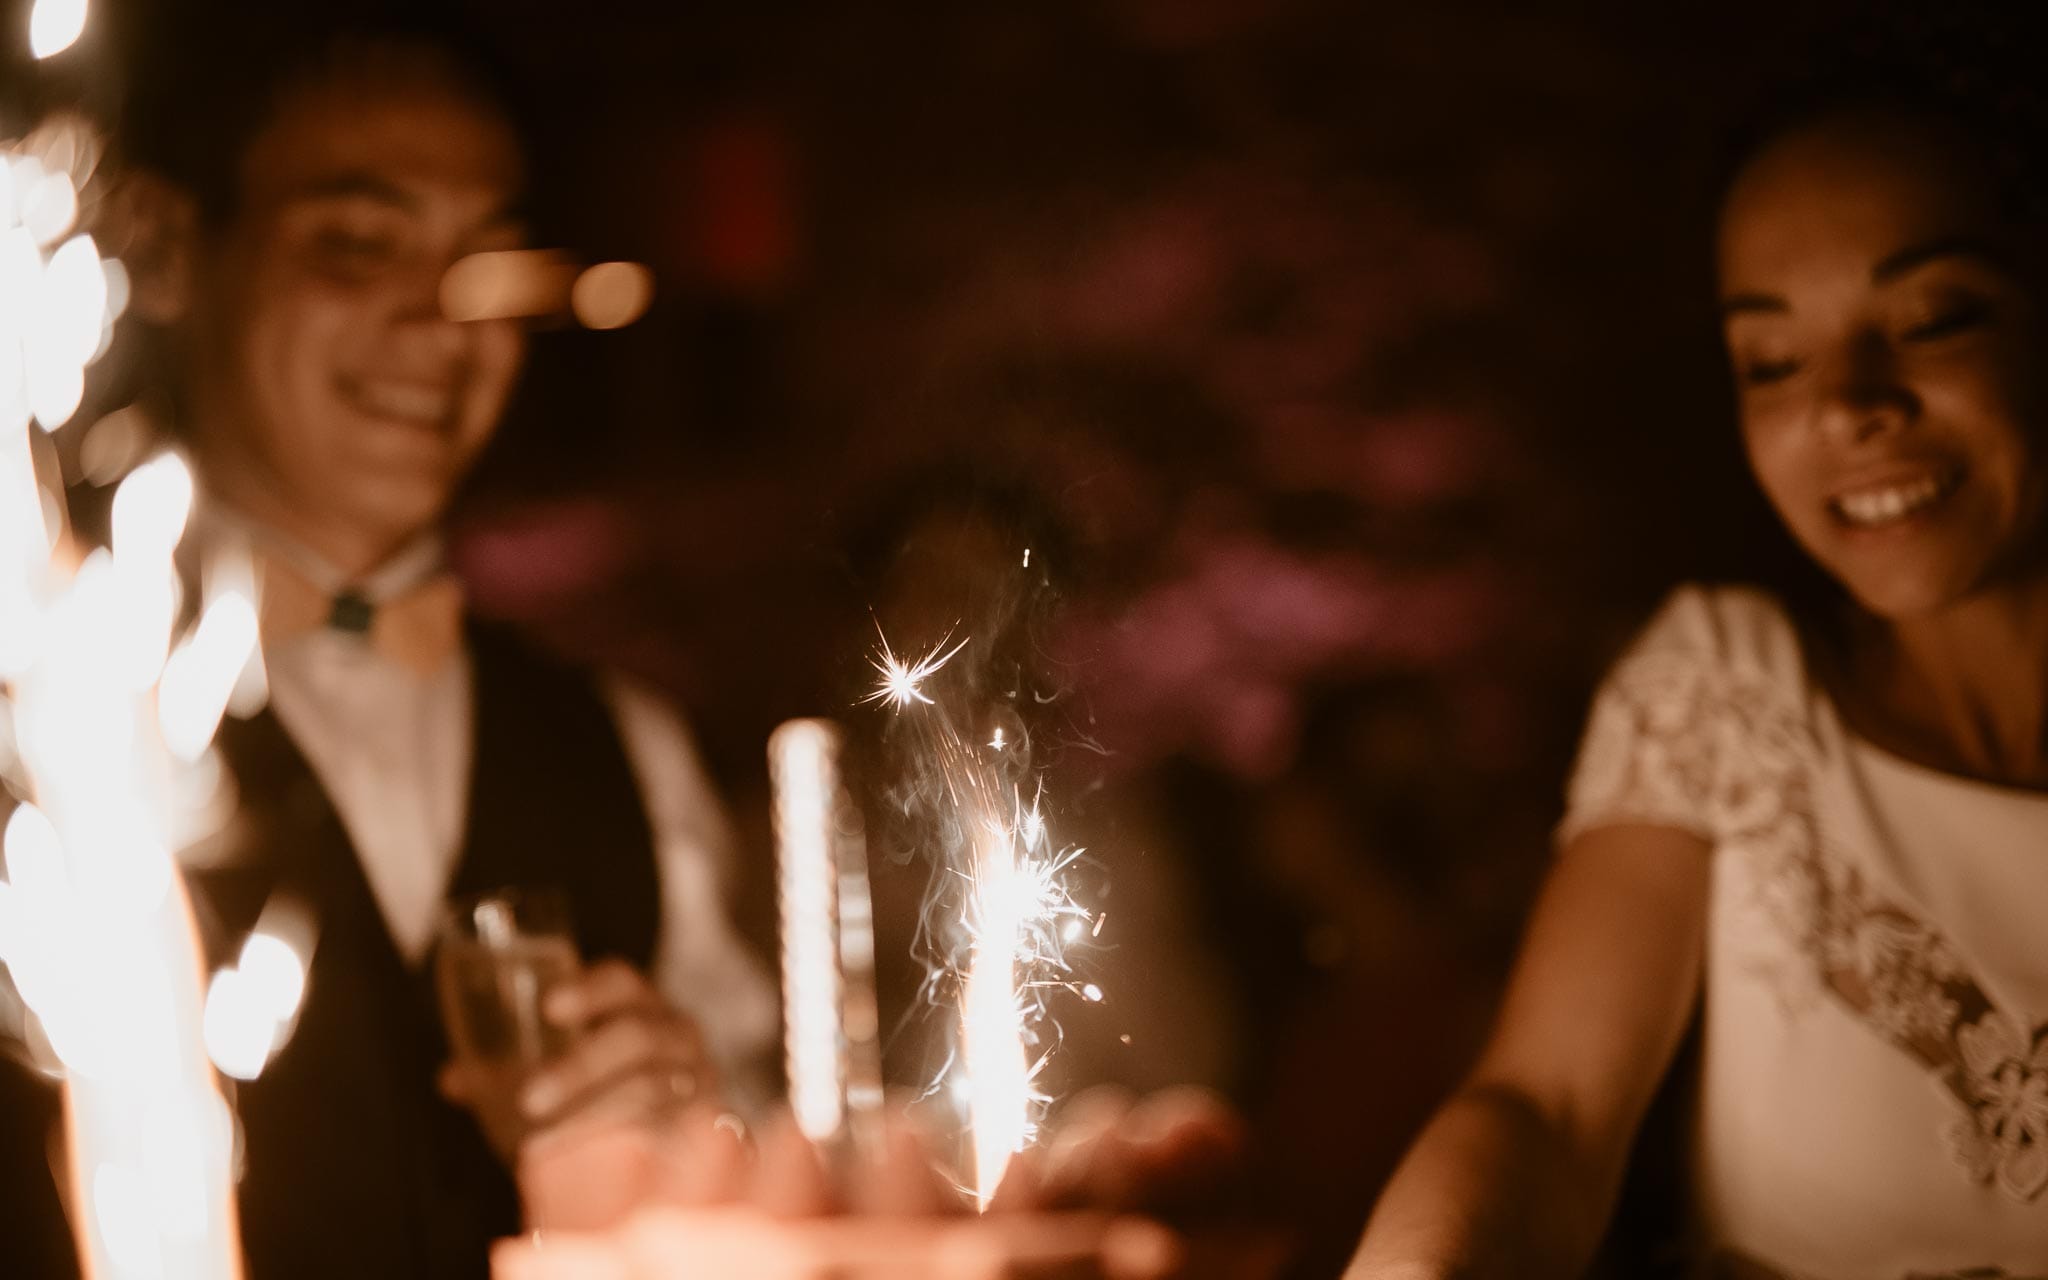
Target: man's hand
x: 587, y: 1121
x: 631, y: 1056
x: 1114, y: 1152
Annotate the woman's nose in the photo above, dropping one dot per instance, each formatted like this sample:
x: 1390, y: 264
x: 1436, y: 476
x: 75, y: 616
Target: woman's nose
x: 1860, y: 395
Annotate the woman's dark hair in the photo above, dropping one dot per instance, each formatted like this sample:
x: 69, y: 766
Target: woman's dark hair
x: 1968, y: 71
x: 1972, y: 73
x: 207, y: 76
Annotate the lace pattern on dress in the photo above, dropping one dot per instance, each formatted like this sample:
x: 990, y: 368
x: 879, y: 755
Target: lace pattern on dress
x: 1731, y: 1266
x: 1731, y: 757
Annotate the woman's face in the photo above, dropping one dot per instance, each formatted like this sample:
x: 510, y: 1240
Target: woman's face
x: 1886, y: 346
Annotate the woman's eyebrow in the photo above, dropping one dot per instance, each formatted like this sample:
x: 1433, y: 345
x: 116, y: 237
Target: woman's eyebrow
x: 1915, y: 256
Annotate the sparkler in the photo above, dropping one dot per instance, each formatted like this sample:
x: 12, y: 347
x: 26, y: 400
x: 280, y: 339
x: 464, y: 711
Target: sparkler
x: 94, y: 924
x: 828, y: 947
x: 1003, y: 917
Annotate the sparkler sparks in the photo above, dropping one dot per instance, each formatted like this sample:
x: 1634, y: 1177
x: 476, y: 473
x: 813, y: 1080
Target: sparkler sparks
x: 902, y: 683
x: 1002, y: 915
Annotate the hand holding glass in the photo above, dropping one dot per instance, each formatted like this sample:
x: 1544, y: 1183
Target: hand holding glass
x: 499, y: 955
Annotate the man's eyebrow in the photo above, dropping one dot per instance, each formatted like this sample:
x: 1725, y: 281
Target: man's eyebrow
x: 356, y: 186
x: 515, y: 213
x: 1919, y: 255
x: 1747, y: 303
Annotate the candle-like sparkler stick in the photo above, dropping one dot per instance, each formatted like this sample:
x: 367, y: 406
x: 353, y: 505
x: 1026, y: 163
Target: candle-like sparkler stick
x: 94, y: 925
x: 98, y: 934
x: 829, y: 1018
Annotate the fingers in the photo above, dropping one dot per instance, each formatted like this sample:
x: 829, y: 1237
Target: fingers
x: 1183, y: 1143
x: 633, y: 1056
x: 606, y: 989
x: 790, y: 1179
x: 652, y: 1060
x: 1088, y: 1160
x: 905, y: 1180
x: 707, y: 1159
x: 588, y: 1177
x: 1113, y: 1152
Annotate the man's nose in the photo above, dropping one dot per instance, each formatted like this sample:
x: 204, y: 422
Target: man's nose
x: 418, y: 312
x: 1860, y: 395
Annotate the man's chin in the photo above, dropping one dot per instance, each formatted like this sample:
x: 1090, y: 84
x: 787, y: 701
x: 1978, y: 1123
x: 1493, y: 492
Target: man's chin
x: 392, y: 511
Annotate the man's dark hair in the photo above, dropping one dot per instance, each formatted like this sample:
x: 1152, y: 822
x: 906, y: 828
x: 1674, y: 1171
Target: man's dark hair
x: 206, y: 77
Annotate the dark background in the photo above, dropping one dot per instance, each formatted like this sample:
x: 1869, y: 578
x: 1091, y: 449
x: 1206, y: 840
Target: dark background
x: 1349, y: 369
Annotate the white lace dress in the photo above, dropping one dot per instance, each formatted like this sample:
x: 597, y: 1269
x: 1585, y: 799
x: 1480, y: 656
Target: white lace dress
x: 1874, y: 1091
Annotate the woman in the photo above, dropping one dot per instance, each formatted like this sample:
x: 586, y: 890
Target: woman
x: 1828, y: 836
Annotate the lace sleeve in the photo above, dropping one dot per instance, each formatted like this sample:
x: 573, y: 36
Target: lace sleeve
x: 1649, y: 752
x: 1660, y: 734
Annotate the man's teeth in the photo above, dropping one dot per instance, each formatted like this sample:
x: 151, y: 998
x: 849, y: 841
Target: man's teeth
x: 1882, y: 505
x: 397, y: 400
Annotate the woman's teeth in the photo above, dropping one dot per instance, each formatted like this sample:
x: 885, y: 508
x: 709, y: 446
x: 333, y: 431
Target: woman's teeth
x: 1887, y: 503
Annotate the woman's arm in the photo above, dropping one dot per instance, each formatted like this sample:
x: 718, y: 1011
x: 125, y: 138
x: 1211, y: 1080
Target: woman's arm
x: 1517, y: 1173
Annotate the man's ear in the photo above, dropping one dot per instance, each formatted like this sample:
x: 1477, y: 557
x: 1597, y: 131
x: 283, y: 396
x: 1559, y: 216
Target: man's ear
x: 152, y: 225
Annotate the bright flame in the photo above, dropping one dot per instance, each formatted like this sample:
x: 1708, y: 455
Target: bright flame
x: 276, y: 973
x: 55, y: 26
x: 48, y: 202
x: 992, y: 1020
x: 200, y: 677
x: 98, y: 936
x: 249, y: 1008
x: 150, y: 510
x: 94, y: 925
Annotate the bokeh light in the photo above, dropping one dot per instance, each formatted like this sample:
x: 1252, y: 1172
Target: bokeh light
x: 612, y: 295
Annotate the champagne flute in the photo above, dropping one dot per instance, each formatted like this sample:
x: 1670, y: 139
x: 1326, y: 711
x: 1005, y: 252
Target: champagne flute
x: 497, y: 957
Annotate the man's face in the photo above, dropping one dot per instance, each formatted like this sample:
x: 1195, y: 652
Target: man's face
x: 330, y: 394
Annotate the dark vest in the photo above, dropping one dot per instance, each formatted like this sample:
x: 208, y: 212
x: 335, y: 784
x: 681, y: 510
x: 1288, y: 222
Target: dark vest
x: 352, y: 1164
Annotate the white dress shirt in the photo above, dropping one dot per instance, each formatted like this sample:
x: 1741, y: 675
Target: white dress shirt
x: 392, y: 749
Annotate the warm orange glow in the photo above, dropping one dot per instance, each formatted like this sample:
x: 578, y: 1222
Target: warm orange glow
x: 612, y: 295
x: 507, y: 284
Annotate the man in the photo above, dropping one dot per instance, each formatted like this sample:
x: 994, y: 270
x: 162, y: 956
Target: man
x: 295, y: 254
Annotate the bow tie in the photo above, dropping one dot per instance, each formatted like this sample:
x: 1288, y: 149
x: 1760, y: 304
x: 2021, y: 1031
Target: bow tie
x: 420, y: 629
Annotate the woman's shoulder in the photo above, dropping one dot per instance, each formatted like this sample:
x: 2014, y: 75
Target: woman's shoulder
x: 1711, y: 687
x: 1737, y: 631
